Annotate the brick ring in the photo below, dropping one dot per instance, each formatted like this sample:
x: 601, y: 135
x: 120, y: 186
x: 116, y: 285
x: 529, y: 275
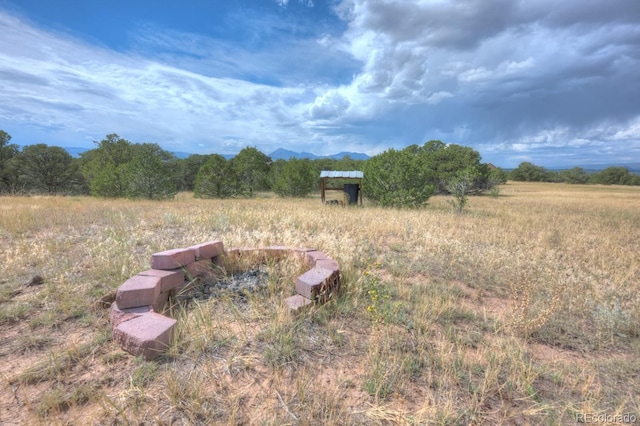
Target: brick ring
x: 136, y: 315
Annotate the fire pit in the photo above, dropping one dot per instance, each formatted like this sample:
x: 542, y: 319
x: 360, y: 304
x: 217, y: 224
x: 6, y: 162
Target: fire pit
x: 137, y: 313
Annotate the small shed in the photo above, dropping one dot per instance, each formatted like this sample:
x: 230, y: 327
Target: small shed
x: 354, y: 190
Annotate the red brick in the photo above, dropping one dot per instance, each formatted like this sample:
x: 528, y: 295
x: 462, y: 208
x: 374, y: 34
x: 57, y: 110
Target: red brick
x: 161, y: 301
x: 148, y: 335
x: 277, y: 252
x: 328, y: 264
x: 314, y: 282
x: 242, y: 253
x: 296, y: 303
x: 172, y: 259
x: 208, y: 250
x: 302, y: 252
x: 239, y: 251
x: 313, y: 256
x: 118, y: 315
x: 232, y: 251
x: 139, y: 290
x: 168, y: 279
x: 199, y: 268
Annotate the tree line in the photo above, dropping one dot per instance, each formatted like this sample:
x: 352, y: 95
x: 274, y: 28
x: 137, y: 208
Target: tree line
x: 117, y: 167
x: 614, y: 175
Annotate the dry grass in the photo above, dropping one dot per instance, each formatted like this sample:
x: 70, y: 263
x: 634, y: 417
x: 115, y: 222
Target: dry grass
x: 523, y: 310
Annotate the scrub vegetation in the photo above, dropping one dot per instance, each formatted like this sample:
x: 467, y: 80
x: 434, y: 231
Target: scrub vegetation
x: 520, y: 310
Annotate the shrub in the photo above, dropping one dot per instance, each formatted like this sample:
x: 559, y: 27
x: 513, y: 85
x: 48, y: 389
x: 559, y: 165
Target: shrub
x: 459, y: 187
x: 151, y: 173
x: 294, y: 178
x: 216, y: 179
x: 616, y: 176
x: 577, y: 175
x: 529, y: 172
x: 252, y: 169
x: 398, y: 179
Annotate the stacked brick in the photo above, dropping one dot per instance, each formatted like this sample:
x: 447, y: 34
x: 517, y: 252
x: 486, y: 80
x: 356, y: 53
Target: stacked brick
x: 137, y: 313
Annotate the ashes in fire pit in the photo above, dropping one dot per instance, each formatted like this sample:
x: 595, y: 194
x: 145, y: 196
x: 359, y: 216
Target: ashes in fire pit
x: 239, y: 285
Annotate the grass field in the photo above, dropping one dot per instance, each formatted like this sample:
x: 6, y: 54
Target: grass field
x: 522, y: 310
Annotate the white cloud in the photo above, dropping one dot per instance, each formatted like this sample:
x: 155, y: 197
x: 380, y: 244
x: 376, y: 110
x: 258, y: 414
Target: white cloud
x: 329, y: 105
x: 528, y: 71
x: 503, y: 76
x: 67, y: 84
x: 630, y: 132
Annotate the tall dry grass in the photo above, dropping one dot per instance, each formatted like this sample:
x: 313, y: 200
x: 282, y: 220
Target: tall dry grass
x: 522, y: 310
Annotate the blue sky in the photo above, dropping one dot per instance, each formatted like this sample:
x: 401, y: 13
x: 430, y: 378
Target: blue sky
x: 554, y: 83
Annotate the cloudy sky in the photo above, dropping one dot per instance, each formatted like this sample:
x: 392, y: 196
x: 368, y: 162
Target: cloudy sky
x: 553, y: 82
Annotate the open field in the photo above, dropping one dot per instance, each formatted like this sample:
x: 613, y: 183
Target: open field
x: 523, y: 310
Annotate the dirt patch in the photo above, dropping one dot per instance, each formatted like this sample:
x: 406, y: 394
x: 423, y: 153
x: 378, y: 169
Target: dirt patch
x: 478, y: 301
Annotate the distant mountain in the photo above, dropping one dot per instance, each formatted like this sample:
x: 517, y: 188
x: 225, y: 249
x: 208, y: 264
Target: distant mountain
x: 285, y: 154
x: 353, y: 155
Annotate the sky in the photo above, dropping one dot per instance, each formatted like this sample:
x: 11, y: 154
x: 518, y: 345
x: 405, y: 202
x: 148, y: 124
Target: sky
x: 556, y: 83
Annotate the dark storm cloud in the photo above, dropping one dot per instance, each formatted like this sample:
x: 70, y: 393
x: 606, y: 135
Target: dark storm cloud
x: 536, y: 80
x: 516, y: 77
x: 460, y: 25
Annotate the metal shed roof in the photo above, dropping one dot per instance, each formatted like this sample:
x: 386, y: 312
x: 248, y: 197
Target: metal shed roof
x: 354, y: 174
